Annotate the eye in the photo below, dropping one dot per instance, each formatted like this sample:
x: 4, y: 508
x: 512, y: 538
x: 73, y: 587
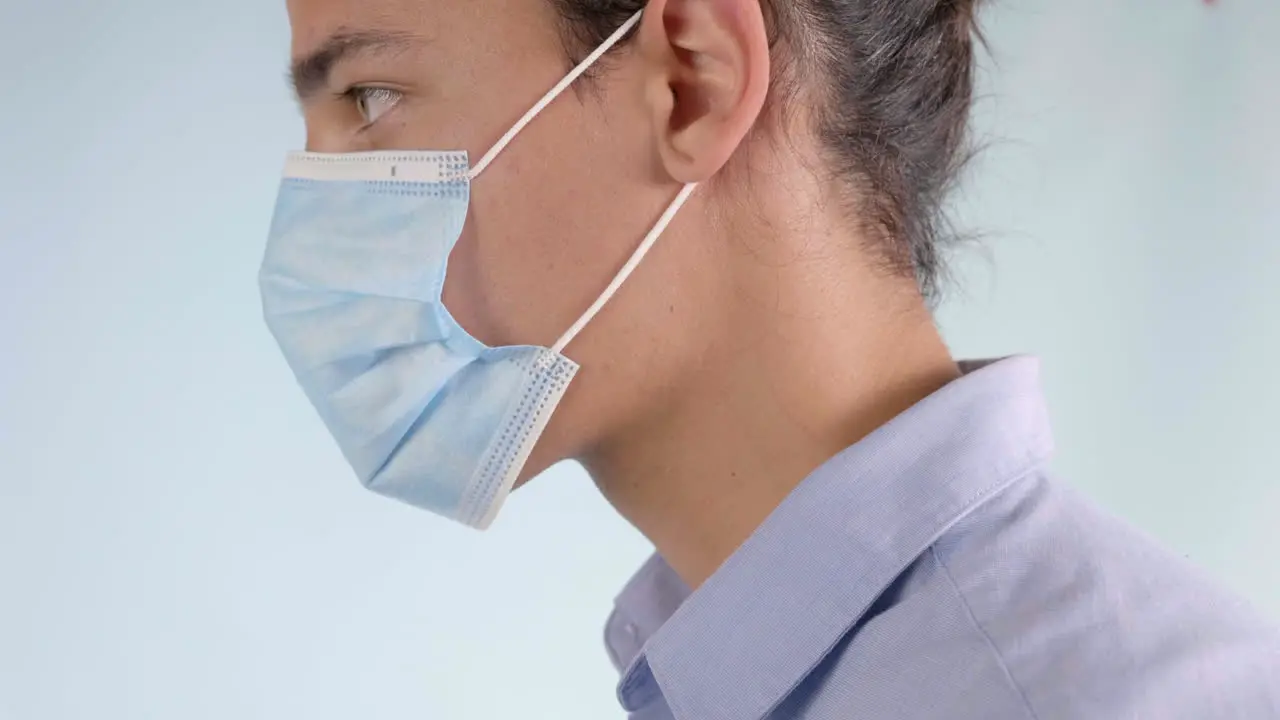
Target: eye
x: 374, y: 102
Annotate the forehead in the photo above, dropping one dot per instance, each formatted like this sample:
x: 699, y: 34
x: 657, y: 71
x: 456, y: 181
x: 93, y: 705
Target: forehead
x: 477, y: 22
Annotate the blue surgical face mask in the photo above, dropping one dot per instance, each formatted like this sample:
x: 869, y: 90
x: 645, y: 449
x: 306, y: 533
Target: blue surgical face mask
x: 351, y: 289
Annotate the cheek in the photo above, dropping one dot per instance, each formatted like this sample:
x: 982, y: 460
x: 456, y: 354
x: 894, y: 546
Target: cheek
x: 551, y: 222
x: 538, y: 247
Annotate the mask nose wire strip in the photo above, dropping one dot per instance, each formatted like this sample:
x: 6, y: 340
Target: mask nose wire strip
x: 547, y: 99
x: 627, y: 269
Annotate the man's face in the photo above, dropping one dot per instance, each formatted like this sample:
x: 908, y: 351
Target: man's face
x: 552, y: 219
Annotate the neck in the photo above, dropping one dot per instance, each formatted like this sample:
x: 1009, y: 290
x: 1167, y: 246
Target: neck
x: 799, y: 378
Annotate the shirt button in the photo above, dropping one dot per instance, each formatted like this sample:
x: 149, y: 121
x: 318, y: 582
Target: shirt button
x: 632, y: 631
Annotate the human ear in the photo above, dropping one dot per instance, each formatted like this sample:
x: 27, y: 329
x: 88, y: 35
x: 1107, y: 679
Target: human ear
x: 708, y: 75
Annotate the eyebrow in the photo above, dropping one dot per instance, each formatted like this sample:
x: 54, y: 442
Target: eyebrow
x: 310, y: 73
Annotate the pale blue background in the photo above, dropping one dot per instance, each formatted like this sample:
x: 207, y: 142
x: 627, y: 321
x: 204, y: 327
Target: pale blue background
x: 180, y: 539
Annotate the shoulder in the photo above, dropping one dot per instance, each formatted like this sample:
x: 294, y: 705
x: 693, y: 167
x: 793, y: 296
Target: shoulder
x: 1039, y: 606
x: 1088, y: 618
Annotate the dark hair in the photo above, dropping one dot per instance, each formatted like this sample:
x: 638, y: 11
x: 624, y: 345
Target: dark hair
x: 893, y: 103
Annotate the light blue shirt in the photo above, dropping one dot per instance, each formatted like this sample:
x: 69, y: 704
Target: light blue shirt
x: 936, y: 571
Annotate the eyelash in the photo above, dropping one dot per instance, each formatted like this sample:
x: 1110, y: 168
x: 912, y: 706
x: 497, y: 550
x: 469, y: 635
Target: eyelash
x: 359, y: 94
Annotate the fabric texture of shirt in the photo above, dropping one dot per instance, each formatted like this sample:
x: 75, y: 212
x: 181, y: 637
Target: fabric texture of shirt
x: 935, y: 570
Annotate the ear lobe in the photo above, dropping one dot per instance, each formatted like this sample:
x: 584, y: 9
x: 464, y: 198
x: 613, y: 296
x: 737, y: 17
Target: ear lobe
x: 710, y: 64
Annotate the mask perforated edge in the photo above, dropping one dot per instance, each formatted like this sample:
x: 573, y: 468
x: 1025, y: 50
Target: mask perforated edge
x: 550, y: 375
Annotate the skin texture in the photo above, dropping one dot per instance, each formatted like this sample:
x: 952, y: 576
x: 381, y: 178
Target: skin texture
x: 758, y: 338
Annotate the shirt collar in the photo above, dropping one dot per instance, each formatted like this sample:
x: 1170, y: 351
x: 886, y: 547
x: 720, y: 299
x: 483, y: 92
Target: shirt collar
x: 813, y: 568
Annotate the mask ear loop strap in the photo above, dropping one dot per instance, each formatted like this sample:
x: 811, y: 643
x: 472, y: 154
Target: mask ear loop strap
x: 634, y: 261
x: 547, y: 99
x: 627, y: 269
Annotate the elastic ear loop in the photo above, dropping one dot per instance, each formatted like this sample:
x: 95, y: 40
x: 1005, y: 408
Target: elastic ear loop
x: 547, y: 99
x: 645, y: 245
x: 627, y: 269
